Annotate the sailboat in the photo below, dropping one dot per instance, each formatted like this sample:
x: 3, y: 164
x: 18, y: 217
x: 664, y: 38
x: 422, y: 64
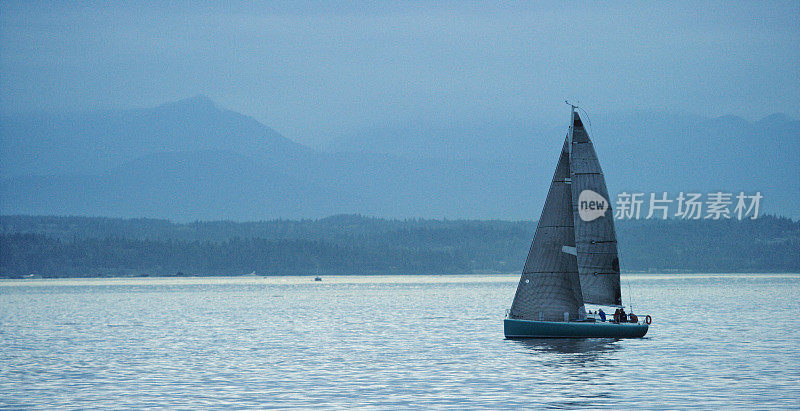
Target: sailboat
x: 573, y: 258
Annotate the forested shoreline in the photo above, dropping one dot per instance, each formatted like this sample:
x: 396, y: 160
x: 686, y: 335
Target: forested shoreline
x: 50, y: 246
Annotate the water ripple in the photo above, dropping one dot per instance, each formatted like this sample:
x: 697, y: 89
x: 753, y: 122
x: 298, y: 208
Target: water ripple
x: 716, y: 341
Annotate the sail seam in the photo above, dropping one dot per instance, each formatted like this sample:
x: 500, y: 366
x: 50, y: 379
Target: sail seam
x: 547, y: 272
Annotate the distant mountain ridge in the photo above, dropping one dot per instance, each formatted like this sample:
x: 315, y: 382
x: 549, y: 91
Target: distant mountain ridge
x: 191, y: 160
x: 95, y: 142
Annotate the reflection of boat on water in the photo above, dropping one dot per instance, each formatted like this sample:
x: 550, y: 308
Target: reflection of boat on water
x: 573, y: 258
x: 569, y: 345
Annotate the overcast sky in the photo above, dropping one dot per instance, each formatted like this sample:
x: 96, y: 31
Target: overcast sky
x: 314, y: 71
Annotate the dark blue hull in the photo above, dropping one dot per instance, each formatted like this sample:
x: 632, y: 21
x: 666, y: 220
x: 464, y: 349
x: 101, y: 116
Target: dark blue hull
x: 553, y: 329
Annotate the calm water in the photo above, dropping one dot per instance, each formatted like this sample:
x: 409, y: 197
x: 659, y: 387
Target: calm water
x: 388, y: 342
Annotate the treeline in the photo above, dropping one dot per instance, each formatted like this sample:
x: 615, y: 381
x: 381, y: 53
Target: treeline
x: 348, y: 244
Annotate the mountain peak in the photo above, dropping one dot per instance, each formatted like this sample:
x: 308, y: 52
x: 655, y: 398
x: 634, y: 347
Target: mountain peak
x: 200, y: 101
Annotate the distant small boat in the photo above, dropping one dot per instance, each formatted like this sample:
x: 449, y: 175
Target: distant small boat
x: 317, y: 278
x: 573, y: 257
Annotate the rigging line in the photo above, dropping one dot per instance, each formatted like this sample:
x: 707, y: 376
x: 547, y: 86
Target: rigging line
x: 630, y: 293
x: 591, y: 129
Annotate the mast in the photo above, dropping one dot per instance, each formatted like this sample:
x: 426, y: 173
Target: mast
x: 571, y: 121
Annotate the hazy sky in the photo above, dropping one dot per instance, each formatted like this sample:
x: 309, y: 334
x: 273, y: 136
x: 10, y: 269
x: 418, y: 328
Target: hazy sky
x: 315, y: 71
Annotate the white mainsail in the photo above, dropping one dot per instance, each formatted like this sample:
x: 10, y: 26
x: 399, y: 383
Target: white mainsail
x: 571, y: 261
